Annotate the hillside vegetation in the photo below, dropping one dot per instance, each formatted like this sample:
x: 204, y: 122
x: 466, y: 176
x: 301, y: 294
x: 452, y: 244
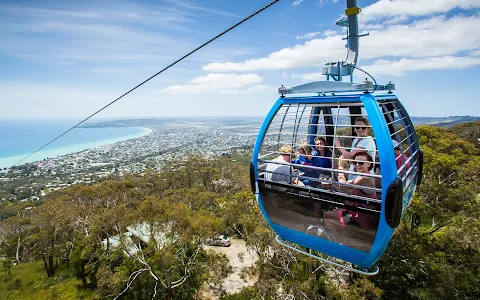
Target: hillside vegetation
x: 75, y: 244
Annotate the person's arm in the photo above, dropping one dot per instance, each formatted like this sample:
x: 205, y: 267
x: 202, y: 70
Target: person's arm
x: 289, y: 176
x: 341, y: 177
x: 298, y: 182
x: 351, y: 155
x: 364, y: 181
x: 360, y: 180
x: 342, y: 188
x: 339, y: 146
x: 348, y: 154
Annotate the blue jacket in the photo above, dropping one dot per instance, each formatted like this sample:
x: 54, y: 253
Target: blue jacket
x: 322, y: 161
x: 316, y: 161
x: 304, y: 161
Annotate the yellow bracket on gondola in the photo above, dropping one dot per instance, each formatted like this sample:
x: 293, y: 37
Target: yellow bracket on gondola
x: 353, y: 11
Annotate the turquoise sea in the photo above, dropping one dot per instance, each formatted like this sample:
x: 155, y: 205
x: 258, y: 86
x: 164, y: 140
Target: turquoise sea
x: 20, y: 138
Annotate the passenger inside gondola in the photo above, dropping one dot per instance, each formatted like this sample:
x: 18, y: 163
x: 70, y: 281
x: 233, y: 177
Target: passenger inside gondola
x: 349, y: 226
x: 279, y: 169
x: 363, y: 142
x: 305, y: 159
x: 400, y: 158
x: 322, y: 156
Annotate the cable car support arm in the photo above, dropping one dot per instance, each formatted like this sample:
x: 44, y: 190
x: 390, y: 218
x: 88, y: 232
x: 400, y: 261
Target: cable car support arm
x: 337, y: 70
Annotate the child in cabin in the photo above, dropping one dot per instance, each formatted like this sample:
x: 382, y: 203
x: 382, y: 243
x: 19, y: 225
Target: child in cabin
x: 305, y: 159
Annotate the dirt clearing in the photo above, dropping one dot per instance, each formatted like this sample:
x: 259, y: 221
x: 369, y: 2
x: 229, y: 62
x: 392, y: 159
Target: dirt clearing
x: 233, y: 283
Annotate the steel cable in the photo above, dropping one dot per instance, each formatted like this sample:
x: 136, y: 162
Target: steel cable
x: 151, y: 77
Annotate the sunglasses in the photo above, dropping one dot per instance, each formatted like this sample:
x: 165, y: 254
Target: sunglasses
x: 363, y: 128
x: 360, y: 163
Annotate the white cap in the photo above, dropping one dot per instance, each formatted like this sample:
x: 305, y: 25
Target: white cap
x: 395, y: 143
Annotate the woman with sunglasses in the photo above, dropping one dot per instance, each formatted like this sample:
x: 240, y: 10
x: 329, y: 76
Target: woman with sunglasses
x: 363, y: 164
x: 362, y: 143
x: 335, y: 222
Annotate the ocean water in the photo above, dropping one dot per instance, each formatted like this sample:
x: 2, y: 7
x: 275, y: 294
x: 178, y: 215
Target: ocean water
x: 20, y: 138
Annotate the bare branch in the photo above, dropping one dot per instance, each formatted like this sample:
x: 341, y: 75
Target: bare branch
x: 304, y: 295
x: 131, y: 279
x: 180, y: 283
x: 142, y: 260
x: 436, y: 229
x: 433, y: 225
x: 155, y: 290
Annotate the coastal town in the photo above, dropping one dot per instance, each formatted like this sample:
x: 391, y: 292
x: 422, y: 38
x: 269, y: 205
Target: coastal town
x: 170, y: 139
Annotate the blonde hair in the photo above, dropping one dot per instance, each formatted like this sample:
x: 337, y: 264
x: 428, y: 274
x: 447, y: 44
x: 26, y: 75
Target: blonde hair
x: 286, y: 149
x: 305, y: 148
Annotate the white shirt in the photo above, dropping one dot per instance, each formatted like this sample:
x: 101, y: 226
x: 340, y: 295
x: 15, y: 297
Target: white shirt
x: 284, y: 172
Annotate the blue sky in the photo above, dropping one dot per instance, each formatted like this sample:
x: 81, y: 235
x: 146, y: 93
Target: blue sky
x: 65, y: 59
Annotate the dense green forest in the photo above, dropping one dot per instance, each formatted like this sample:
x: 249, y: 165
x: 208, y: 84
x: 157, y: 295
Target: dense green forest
x: 72, y: 244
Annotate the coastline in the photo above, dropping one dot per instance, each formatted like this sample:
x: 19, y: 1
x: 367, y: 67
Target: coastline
x: 7, y: 162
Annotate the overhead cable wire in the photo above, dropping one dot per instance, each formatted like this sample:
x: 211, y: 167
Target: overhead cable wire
x: 375, y: 88
x: 158, y: 73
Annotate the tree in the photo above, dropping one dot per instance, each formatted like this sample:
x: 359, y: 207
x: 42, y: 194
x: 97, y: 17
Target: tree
x: 435, y: 251
x: 15, y: 230
x: 52, y: 233
x: 469, y: 131
x: 165, y: 250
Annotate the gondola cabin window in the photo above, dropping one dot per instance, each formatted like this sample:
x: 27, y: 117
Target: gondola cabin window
x: 329, y: 153
x: 404, y: 144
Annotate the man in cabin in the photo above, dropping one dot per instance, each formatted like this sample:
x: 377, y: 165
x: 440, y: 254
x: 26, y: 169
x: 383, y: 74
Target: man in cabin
x: 279, y: 171
x: 400, y: 158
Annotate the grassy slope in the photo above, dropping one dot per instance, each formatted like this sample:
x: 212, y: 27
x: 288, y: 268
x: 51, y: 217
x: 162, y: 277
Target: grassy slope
x: 29, y: 281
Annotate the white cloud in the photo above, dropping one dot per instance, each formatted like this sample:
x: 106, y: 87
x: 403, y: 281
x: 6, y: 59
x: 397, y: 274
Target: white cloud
x: 74, y: 35
x: 402, y: 66
x: 372, y: 26
x: 256, y: 89
x: 438, y: 36
x: 395, y: 20
x: 104, y: 34
x: 312, y: 76
x: 391, y: 8
x: 308, y: 35
x: 232, y: 80
x: 311, y: 35
x: 475, y: 53
x: 314, y: 52
x: 297, y: 2
x: 216, y: 83
x: 190, y: 6
x: 329, y: 32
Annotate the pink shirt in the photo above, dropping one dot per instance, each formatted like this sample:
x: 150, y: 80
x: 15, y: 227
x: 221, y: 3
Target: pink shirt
x: 400, y: 161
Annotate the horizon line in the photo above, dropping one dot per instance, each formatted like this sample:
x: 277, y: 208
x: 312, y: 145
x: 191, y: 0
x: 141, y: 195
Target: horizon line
x: 171, y: 117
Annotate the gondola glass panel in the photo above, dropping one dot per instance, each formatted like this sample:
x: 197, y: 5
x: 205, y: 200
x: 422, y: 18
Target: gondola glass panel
x: 300, y: 183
